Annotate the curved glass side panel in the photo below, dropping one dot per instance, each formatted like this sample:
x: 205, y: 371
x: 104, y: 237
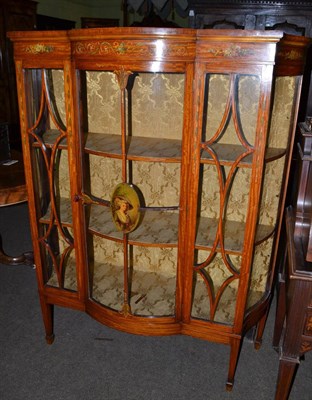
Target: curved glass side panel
x: 47, y: 135
x: 281, y: 127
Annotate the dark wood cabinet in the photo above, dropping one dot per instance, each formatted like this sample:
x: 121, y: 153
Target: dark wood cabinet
x: 14, y: 15
x: 303, y: 214
x: 156, y: 165
x: 294, y: 17
x: 293, y: 325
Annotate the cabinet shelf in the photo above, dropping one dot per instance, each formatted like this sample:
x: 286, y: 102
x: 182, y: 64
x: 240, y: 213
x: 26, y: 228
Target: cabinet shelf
x: 138, y: 147
x: 64, y: 211
x: 233, y: 233
x: 160, y: 228
x: 228, y: 153
x: 109, y: 145
x: 153, y: 297
x: 49, y: 138
x: 151, y: 149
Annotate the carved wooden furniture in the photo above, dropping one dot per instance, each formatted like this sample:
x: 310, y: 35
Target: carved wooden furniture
x: 293, y: 324
x: 294, y: 17
x: 14, y: 15
x: 156, y: 163
x: 303, y: 217
x: 294, y: 309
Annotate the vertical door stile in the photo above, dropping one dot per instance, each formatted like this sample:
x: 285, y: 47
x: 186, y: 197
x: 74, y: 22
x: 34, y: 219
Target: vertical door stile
x: 183, y: 264
x: 193, y: 167
x: 75, y: 176
x: 122, y: 77
x: 255, y: 194
x: 24, y: 125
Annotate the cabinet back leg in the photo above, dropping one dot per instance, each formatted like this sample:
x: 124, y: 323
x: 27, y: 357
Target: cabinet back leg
x: 280, y: 314
x: 47, y: 315
x: 260, y: 329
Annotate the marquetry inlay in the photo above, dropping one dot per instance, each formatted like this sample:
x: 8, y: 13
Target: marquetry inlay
x: 131, y: 48
x: 39, y: 48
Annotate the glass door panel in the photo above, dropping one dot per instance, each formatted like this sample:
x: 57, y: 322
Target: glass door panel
x: 133, y: 146
x: 47, y: 135
x: 230, y: 115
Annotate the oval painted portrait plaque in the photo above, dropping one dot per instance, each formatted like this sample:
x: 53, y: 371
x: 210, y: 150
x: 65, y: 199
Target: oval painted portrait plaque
x: 125, y: 206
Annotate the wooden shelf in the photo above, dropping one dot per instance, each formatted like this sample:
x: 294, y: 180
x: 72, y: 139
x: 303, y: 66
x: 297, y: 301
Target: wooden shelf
x: 109, y: 145
x: 227, y: 154
x: 65, y: 213
x: 160, y: 229
x: 151, y: 149
x: 233, y: 233
x: 138, y: 148
x: 49, y: 138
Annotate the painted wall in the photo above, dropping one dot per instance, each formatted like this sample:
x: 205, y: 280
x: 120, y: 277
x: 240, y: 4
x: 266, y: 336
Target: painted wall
x: 73, y: 10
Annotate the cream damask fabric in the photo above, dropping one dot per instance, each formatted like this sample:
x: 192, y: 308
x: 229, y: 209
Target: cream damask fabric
x: 155, y: 104
x: 152, y: 277
x: 218, y: 91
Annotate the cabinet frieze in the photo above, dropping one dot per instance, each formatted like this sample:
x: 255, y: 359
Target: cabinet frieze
x: 140, y: 49
x: 42, y: 50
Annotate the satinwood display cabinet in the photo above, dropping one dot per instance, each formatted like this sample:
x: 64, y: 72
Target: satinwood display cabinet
x: 156, y: 162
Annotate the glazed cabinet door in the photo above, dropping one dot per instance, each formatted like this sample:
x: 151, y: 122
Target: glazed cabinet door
x: 240, y: 181
x: 134, y: 122
x: 225, y: 188
x: 231, y: 154
x: 132, y: 153
x: 244, y: 134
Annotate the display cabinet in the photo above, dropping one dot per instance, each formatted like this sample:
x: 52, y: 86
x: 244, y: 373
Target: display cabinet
x: 156, y: 162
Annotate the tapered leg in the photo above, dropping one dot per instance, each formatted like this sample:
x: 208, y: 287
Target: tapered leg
x: 47, y: 314
x: 280, y: 314
x: 260, y: 329
x: 286, y: 374
x: 235, y: 350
